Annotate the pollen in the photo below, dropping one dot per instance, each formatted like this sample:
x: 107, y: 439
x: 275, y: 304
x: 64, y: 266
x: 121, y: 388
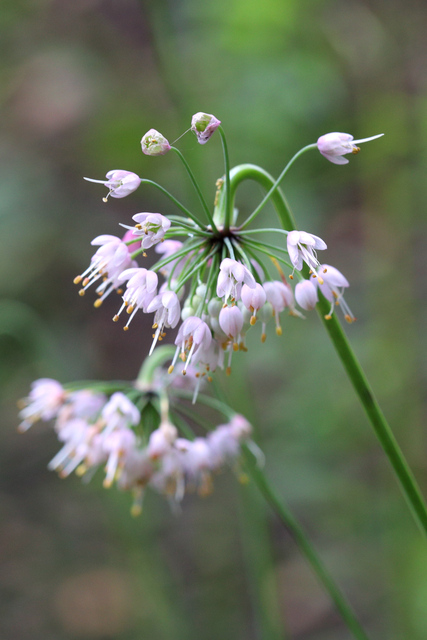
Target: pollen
x: 97, y: 303
x: 263, y: 337
x: 81, y: 292
x: 116, y: 318
x: 171, y: 368
x: 252, y: 320
x: 279, y: 331
x: 77, y: 279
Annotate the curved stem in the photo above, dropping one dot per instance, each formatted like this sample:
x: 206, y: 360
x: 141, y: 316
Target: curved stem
x: 306, y: 548
x: 174, y: 200
x: 407, y: 481
x: 196, y: 187
x: 277, y: 182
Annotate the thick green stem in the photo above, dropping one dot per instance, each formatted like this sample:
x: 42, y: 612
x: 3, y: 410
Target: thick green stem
x: 346, y: 354
x: 304, y: 545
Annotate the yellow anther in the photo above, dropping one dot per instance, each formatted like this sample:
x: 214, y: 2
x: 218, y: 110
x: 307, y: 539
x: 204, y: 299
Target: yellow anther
x: 243, y: 478
x: 171, y: 368
x: 155, y: 325
x: 355, y: 150
x: 184, y: 372
x: 320, y: 280
x: 228, y: 371
x: 77, y: 279
x: 328, y: 317
x: 125, y: 328
x: 209, y: 378
x: 252, y: 321
x: 116, y: 318
x: 279, y: 331
x: 138, y: 226
x: 235, y: 346
x: 81, y: 292
x: 104, y: 199
x: 97, y: 303
x: 349, y: 318
x: 135, y: 510
x: 85, y: 281
x: 263, y: 337
x: 81, y: 470
x: 119, y: 291
x: 291, y: 277
x: 144, y: 255
x: 129, y: 308
x: 183, y: 356
x: 324, y: 270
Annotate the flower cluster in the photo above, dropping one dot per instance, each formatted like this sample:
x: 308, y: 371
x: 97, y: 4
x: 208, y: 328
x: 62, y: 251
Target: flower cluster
x: 97, y: 431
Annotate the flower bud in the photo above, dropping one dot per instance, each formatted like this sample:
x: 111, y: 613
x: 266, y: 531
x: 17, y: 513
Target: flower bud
x: 306, y: 295
x: 204, y: 125
x: 154, y: 144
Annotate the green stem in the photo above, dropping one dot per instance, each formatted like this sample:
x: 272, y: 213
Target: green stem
x: 196, y: 187
x: 174, y: 200
x: 304, y: 545
x: 407, y: 481
x: 276, y: 183
x: 228, y: 198
x: 146, y: 374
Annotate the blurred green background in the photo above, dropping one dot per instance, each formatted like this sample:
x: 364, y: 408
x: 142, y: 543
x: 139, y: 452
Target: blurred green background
x: 81, y: 81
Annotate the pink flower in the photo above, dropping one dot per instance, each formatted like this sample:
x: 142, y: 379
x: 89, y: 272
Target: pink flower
x: 154, y: 144
x: 335, y: 145
x: 253, y: 299
x: 204, y: 125
x: 140, y: 291
x: 43, y: 402
x: 193, y: 337
x: 332, y: 287
x: 232, y: 274
x: 301, y: 248
x: 109, y: 261
x: 119, y: 182
x: 231, y: 322
x: 306, y: 294
x: 151, y: 227
x: 168, y: 313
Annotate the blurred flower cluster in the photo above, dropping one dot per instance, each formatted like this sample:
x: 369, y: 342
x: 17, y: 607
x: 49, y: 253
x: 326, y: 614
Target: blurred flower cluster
x: 131, y: 435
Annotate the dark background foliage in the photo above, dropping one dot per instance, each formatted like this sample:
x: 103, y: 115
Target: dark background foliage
x: 81, y: 82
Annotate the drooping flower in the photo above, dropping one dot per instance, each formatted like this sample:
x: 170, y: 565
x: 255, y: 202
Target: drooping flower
x: 204, y: 125
x: 231, y: 322
x: 43, y: 402
x: 120, y: 412
x: 306, y: 294
x: 109, y: 261
x: 193, y: 336
x: 119, y: 182
x: 140, y: 291
x: 332, y: 288
x: 168, y: 312
x: 333, y: 146
x: 253, y: 299
x: 301, y: 248
x: 154, y: 144
x: 280, y: 297
x: 232, y: 275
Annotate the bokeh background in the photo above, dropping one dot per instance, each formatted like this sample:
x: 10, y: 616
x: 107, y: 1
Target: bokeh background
x: 81, y: 81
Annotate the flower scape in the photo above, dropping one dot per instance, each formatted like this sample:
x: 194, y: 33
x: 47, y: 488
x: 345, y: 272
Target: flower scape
x: 212, y: 281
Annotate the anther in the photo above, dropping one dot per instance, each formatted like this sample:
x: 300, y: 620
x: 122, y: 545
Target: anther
x: 291, y: 277
x: 115, y: 318
x: 77, y: 279
x: 320, y: 280
x: 328, y: 316
x: 235, y: 346
x: 252, y: 321
x: 85, y: 281
x: 81, y: 292
x: 97, y: 303
x: 228, y: 371
x: 125, y: 328
x: 279, y: 331
x: 263, y: 337
x: 171, y: 368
